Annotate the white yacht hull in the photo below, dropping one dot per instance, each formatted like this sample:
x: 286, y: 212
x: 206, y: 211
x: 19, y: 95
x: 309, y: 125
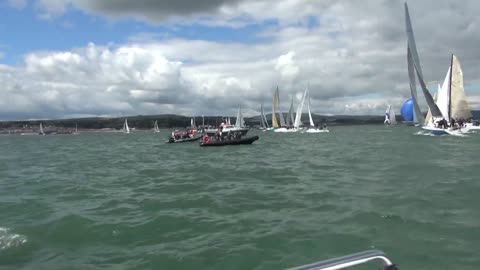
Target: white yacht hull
x: 285, y: 130
x: 441, y: 131
x: 316, y: 130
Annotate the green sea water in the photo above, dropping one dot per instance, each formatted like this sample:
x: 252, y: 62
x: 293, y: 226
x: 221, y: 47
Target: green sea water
x: 130, y: 201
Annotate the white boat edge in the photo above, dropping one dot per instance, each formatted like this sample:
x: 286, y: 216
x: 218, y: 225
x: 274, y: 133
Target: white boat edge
x: 349, y: 261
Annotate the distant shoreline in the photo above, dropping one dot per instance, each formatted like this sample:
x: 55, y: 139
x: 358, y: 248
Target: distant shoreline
x: 170, y: 121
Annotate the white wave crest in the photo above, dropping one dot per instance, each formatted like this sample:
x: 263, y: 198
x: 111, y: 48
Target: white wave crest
x: 10, y: 240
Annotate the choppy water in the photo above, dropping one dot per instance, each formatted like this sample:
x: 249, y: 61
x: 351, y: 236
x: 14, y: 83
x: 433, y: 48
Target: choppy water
x: 130, y: 201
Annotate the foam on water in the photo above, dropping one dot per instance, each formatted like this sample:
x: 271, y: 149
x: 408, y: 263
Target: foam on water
x: 10, y: 240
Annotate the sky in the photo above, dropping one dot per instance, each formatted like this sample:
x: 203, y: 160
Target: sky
x: 82, y: 58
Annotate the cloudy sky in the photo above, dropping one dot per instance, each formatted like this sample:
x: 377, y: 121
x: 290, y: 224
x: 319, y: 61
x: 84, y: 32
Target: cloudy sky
x: 74, y: 58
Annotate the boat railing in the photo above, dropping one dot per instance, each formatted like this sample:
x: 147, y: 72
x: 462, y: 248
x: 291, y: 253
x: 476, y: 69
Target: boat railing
x: 350, y: 260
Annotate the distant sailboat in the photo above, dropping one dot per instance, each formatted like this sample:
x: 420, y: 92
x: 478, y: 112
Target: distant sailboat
x: 290, y: 118
x: 263, y: 120
x: 155, y: 127
x: 76, y: 129
x: 298, y: 116
x: 239, y: 126
x: 193, y: 125
x: 274, y: 109
x: 126, y: 129
x: 312, y: 128
x: 239, y: 123
x: 41, y: 132
x: 284, y: 128
x: 282, y: 119
x: 390, y: 118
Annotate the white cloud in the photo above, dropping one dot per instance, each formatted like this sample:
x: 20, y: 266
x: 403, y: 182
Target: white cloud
x: 351, y: 53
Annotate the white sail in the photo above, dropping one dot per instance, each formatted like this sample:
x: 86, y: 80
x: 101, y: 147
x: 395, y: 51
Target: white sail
x: 309, y: 112
x: 263, y: 123
x: 76, y: 128
x: 443, y: 96
x: 459, y: 107
x: 155, y: 127
x: 240, y: 123
x: 298, y: 117
x: 387, y: 116
x: 41, y: 129
x: 392, y: 117
x: 264, y: 118
x: 429, y: 118
x: 282, y: 119
x: 126, y: 129
x: 274, y: 109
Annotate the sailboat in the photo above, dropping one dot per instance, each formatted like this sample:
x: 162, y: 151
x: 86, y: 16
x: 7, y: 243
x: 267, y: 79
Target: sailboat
x: 452, y: 102
x: 239, y: 126
x: 290, y: 118
x: 452, y: 99
x: 390, y: 118
x: 41, y: 132
x: 76, y: 129
x: 298, y: 116
x: 312, y: 128
x: 283, y: 127
x: 263, y: 120
x: 126, y: 129
x: 415, y: 70
x: 155, y: 127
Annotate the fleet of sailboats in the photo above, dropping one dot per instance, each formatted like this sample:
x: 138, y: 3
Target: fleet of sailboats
x: 446, y: 108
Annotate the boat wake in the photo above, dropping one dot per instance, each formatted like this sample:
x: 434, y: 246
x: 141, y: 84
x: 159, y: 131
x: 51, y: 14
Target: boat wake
x: 10, y: 240
x: 424, y: 133
x: 452, y: 133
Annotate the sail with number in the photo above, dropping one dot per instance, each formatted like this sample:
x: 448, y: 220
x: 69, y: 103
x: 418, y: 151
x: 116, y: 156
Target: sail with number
x: 274, y: 109
x: 298, y: 117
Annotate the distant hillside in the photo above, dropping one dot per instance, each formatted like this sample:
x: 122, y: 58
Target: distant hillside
x: 171, y: 121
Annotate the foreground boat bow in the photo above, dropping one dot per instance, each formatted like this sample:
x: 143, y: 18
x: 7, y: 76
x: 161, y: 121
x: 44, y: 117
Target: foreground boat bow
x: 350, y: 260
